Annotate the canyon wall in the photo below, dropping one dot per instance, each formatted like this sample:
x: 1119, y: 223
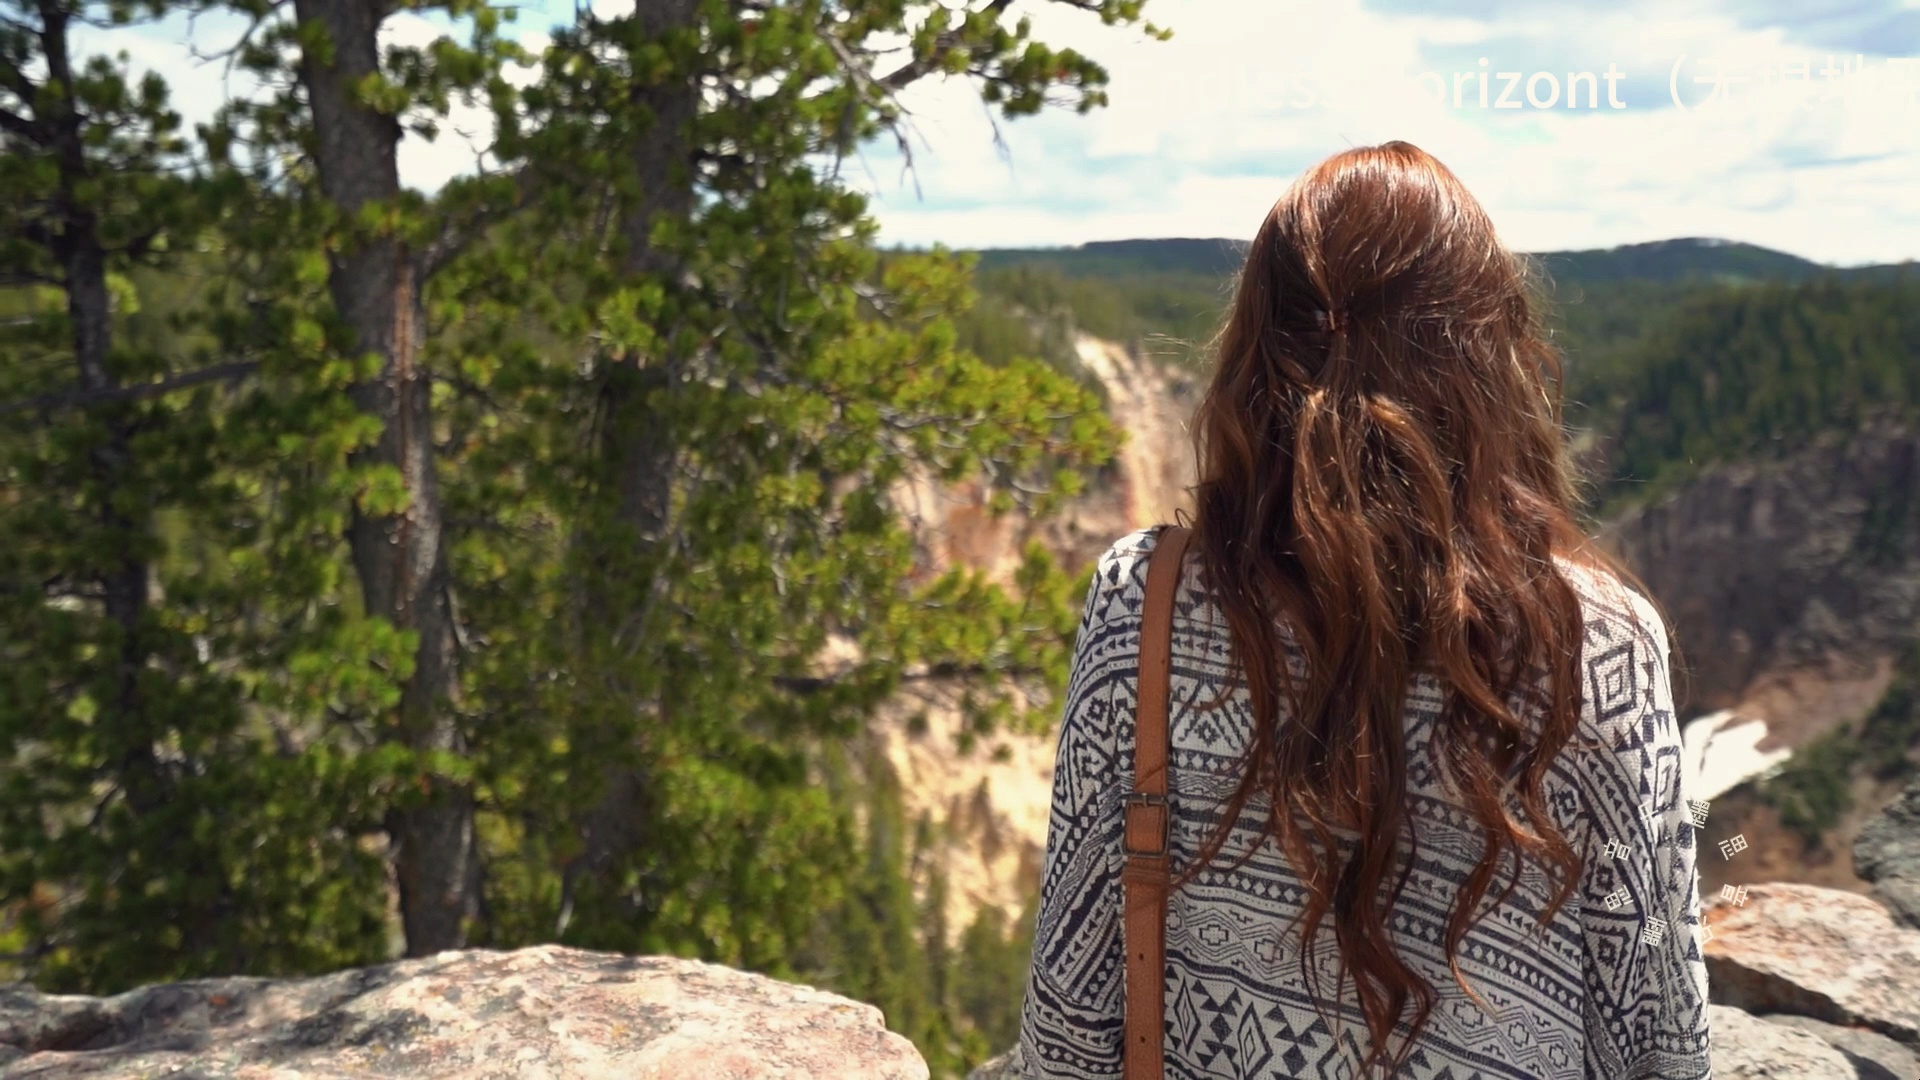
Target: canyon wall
x: 991, y: 802
x: 1791, y: 583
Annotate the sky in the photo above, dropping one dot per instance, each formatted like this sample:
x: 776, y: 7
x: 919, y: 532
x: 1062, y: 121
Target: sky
x: 1784, y: 123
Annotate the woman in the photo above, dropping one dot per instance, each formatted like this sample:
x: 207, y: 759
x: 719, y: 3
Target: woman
x: 1399, y: 673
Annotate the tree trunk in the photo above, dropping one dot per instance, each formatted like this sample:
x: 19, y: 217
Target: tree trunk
x: 400, y: 558
x: 639, y: 440
x: 123, y: 582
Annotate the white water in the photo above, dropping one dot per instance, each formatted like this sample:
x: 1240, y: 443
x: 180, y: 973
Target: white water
x: 1721, y: 752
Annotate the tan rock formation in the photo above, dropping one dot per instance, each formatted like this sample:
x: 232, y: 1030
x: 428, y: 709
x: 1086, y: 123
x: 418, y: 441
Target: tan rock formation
x: 545, y: 1013
x: 1831, y: 955
x: 992, y: 802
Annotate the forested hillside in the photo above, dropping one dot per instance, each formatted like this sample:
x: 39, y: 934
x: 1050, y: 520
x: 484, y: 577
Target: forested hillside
x: 1737, y: 372
x: 1678, y: 353
x: 388, y: 570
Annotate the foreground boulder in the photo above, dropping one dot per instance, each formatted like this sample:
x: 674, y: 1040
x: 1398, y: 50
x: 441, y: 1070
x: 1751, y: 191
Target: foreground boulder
x: 1000, y: 1068
x: 1873, y: 1055
x: 1887, y: 853
x: 545, y: 1012
x: 1746, y: 1047
x: 1823, y: 953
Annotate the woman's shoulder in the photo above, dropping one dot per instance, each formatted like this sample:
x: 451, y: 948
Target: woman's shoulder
x: 1125, y: 560
x: 1120, y: 575
x: 1136, y: 545
x: 1611, y: 607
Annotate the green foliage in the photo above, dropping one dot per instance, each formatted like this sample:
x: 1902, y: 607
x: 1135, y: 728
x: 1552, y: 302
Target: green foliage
x: 992, y: 973
x: 667, y: 384
x: 1890, y: 734
x: 1814, y: 786
x: 1752, y: 370
x: 959, y: 1002
x: 158, y: 817
x: 1175, y: 312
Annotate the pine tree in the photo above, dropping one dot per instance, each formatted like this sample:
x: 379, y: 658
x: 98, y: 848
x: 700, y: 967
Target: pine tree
x: 490, y: 538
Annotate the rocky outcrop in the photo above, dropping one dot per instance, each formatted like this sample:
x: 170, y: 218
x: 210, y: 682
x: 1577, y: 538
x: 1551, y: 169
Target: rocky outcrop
x: 1807, y: 983
x: 1872, y: 1055
x: 545, y: 1013
x: 1887, y: 853
x: 1830, y: 955
x: 1746, y: 1047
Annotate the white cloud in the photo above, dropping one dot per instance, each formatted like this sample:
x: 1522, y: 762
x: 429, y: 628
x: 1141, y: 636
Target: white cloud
x: 1205, y: 130
x: 1201, y: 134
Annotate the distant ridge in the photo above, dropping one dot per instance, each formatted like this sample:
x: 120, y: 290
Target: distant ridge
x: 1690, y: 258
x: 1128, y: 258
x: 1694, y: 258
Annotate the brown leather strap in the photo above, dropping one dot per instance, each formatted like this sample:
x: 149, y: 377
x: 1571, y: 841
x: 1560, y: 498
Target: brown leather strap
x: 1149, y: 817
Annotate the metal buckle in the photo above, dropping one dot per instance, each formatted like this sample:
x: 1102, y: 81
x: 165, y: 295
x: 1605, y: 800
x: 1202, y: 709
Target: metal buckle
x: 1145, y: 798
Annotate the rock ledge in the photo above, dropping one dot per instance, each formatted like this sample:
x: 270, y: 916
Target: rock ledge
x: 543, y: 1013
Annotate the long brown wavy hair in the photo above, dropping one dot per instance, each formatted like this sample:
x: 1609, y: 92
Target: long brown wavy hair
x: 1382, y: 464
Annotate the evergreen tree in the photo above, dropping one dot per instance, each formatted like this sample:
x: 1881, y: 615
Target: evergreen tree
x: 149, y: 828
x: 490, y: 539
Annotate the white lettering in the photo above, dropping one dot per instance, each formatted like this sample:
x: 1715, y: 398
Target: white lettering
x: 1613, y: 96
x: 1512, y: 83
x: 1551, y: 81
x: 1573, y: 89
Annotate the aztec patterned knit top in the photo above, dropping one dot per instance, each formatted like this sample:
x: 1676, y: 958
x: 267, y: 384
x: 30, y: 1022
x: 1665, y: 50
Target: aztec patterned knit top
x: 1615, y: 988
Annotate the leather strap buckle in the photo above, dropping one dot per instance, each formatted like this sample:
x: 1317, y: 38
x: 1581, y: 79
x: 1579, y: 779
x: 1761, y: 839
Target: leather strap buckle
x: 1138, y: 803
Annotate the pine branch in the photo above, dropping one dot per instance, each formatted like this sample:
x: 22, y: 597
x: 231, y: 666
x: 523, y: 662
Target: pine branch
x: 19, y: 125
x: 912, y: 71
x: 131, y: 392
x: 813, y: 684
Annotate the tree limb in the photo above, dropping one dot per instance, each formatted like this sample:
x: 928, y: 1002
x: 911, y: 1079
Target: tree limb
x: 457, y: 234
x: 21, y: 126
x: 913, y: 70
x: 129, y: 392
x: 15, y: 277
x: 813, y: 684
x: 11, y: 77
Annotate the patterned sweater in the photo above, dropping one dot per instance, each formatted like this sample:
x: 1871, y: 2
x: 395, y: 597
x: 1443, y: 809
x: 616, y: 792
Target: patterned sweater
x: 1614, y: 989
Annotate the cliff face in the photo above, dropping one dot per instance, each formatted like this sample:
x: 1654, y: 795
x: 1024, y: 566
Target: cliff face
x: 1791, y: 583
x: 1146, y: 480
x: 991, y: 803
